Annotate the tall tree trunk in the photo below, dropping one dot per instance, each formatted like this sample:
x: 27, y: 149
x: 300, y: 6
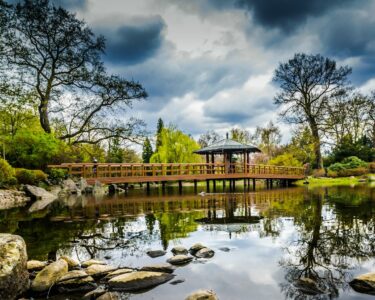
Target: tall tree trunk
x: 317, y: 151
x: 43, y: 116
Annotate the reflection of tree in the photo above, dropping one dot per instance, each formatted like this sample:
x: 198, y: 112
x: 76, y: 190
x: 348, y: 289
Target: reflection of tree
x: 330, y: 243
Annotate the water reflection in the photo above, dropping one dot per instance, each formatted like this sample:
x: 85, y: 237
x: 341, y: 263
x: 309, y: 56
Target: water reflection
x: 323, y: 237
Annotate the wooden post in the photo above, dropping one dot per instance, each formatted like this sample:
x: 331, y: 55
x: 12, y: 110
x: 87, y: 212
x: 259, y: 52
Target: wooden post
x: 180, y: 186
x: 214, y: 184
x: 195, y: 186
x: 254, y: 184
x: 207, y: 186
x: 148, y: 187
x: 163, y: 186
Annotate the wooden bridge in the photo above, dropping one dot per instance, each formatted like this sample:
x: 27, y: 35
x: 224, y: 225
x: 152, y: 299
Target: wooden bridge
x: 146, y: 173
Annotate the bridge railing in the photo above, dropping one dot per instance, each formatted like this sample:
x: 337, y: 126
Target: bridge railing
x: 108, y: 170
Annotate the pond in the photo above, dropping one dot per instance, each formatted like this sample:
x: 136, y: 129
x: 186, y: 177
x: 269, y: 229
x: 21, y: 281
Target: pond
x: 264, y: 241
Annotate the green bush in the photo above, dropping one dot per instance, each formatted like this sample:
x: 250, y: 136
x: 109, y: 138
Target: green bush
x: 34, y: 177
x: 371, y: 167
x: 6, y: 172
x: 57, y: 175
x: 352, y: 172
x: 351, y: 162
x: 319, y: 173
x: 332, y: 174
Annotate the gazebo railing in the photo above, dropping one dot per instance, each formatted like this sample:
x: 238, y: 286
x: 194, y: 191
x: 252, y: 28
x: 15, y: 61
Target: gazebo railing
x: 110, y: 170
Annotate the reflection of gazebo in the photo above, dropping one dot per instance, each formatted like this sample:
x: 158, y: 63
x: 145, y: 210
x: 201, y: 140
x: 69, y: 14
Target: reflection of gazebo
x: 227, y: 148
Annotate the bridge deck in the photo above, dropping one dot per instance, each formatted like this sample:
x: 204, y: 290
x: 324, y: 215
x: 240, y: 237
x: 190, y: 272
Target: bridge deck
x: 141, y: 173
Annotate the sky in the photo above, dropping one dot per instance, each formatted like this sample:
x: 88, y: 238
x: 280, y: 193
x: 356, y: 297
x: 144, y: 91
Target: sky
x: 208, y: 64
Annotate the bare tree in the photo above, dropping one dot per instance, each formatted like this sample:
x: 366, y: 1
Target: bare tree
x: 208, y: 138
x: 308, y: 82
x: 53, y: 53
x: 268, y: 137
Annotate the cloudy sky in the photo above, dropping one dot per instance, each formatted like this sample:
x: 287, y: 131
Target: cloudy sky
x: 208, y: 64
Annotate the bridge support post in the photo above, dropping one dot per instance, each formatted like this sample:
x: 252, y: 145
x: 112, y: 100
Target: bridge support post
x: 163, y: 187
x: 254, y: 184
x: 180, y: 186
x: 214, y: 185
x: 207, y: 186
x: 148, y: 187
x: 271, y: 183
x: 195, y: 186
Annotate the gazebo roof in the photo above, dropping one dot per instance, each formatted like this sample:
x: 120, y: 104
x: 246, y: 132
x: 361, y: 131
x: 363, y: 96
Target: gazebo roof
x: 227, y: 145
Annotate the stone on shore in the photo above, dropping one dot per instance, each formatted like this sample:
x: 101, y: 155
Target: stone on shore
x: 71, y: 262
x: 42, y: 197
x: 97, y: 271
x: 163, y: 267
x: 180, y: 259
x: 117, y: 272
x: 11, y: 199
x: 205, y: 253
x: 179, y: 250
x: 49, y: 275
x: 156, y: 253
x: 196, y: 247
x: 70, y: 186
x: 138, y: 280
x: 75, y: 281
x: 109, y: 296
x: 94, y: 294
x: 364, y: 283
x: 202, y: 295
x: 14, y: 277
x: 90, y: 262
x: 36, y: 265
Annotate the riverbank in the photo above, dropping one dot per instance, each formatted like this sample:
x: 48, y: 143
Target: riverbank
x: 341, y: 181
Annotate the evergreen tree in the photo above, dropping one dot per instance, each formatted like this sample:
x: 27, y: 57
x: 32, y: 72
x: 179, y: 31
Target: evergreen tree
x: 159, y: 129
x: 147, y: 151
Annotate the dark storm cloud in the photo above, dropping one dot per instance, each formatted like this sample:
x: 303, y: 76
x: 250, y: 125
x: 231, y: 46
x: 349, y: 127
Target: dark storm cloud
x: 133, y: 43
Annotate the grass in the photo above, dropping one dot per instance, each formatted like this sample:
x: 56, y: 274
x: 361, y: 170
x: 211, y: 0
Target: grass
x: 327, y: 181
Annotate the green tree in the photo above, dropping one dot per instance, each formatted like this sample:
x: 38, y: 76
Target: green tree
x: 307, y: 83
x: 268, y: 138
x: 176, y: 147
x: 159, y: 129
x: 285, y: 159
x: 301, y: 145
x: 49, y: 50
x: 115, y: 151
x: 147, y: 151
x: 241, y: 135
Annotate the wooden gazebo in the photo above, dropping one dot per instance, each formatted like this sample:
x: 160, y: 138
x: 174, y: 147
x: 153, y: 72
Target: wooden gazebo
x: 227, y: 148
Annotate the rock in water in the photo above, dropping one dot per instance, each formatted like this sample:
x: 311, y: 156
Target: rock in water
x: 138, y: 280
x: 98, y: 271
x: 117, y: 272
x: 49, y: 275
x: 71, y: 262
x: 75, y: 281
x: 70, y: 186
x: 14, y: 277
x: 202, y: 295
x: 164, y: 268
x: 42, y: 197
x: 155, y: 253
x: 94, y: 294
x: 109, y: 296
x: 364, y: 283
x: 10, y: 199
x: 196, y: 247
x: 179, y: 250
x: 205, y: 253
x: 90, y: 262
x: 308, y: 286
x: 180, y: 259
x: 35, y: 265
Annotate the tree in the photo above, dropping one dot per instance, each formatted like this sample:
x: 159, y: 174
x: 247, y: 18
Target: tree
x: 176, y: 147
x: 208, y: 138
x: 268, y: 138
x: 147, y: 151
x: 285, y: 159
x: 159, y: 129
x: 241, y: 135
x: 301, y: 145
x: 53, y: 53
x: 308, y: 82
x: 115, y: 152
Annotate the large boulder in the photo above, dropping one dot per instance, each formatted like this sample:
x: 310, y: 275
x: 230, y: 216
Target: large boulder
x: 364, y: 283
x: 98, y: 271
x: 90, y: 262
x: 117, y: 273
x: 109, y: 296
x: 138, y: 280
x: 70, y: 186
x: 180, y: 259
x: 196, y: 247
x: 36, y: 265
x: 205, y: 253
x: 71, y: 262
x: 42, y: 197
x: 156, y: 253
x: 14, y: 277
x: 164, y: 268
x: 75, y: 281
x: 202, y: 295
x: 49, y: 275
x: 10, y: 199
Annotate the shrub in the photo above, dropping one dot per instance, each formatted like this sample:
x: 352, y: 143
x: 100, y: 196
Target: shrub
x: 332, y: 174
x: 352, y: 172
x: 371, y: 167
x: 6, y: 172
x: 319, y: 173
x: 285, y: 159
x: 34, y: 177
x: 56, y: 175
x: 351, y: 162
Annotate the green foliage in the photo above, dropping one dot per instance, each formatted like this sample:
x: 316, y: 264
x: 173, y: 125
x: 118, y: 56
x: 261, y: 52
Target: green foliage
x: 363, y: 148
x: 147, y: 151
x: 131, y: 156
x: 115, y: 152
x: 286, y: 159
x: 6, y: 173
x: 268, y: 138
x: 301, y: 145
x: 352, y: 172
x: 56, y: 175
x: 241, y: 135
x: 319, y: 173
x: 351, y: 162
x: 159, y: 129
x: 33, y: 150
x: 176, y: 147
x: 34, y: 177
x: 371, y: 167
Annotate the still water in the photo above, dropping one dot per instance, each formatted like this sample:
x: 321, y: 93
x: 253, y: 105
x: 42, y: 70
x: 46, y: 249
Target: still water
x: 274, y: 238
